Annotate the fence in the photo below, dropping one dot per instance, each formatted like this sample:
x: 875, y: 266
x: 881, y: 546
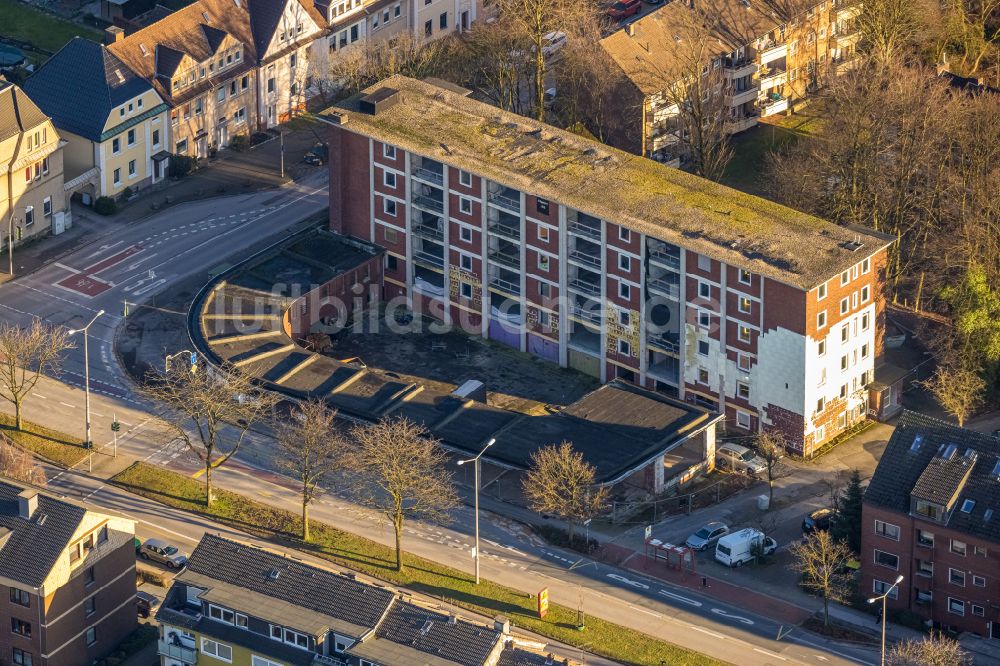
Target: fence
x: 652, y: 511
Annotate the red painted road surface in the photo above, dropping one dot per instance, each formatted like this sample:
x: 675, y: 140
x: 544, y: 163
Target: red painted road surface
x: 85, y: 281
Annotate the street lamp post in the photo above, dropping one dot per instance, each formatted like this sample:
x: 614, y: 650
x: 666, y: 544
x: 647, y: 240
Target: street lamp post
x: 475, y: 462
x: 86, y: 385
x: 882, y: 597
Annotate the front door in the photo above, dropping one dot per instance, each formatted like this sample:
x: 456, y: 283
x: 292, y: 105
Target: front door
x: 223, y: 136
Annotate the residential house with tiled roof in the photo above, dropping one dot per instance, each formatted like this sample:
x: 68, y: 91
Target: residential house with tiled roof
x: 70, y: 572
x: 114, y: 123
x: 928, y: 515
x: 248, y: 606
x: 32, y: 199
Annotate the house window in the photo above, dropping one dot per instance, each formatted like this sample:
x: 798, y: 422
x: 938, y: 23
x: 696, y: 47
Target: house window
x: 980, y: 551
x: 821, y: 319
x: 391, y: 263
x: 465, y: 261
x: 958, y: 547
x: 624, y: 262
x: 543, y: 262
x: 221, y: 614
x: 389, y: 206
x: 389, y: 179
x: 743, y: 361
x: 865, y: 293
x: 245, y: 83
x: 864, y: 321
x: 465, y: 205
x: 544, y: 289
x: 743, y: 390
x: 925, y: 539
x: 703, y: 375
x: 90, y: 606
x: 888, y: 530
x: 91, y: 635
x: 978, y: 610
x: 464, y: 177
x: 704, y: 319
x: 390, y: 235
x: 131, y: 168
x: 843, y: 362
x: 220, y: 94
x: 821, y: 348
x: 880, y: 587
x: 745, y: 277
x: 116, y: 145
x: 241, y: 620
x: 293, y: 60
x: 256, y: 660
x: 820, y: 405
x: 428, y: 28
x: 388, y: 152
x: 744, y: 305
x: 296, y: 639
x: 624, y: 235
x: 866, y: 266
x: 443, y: 21
x: 22, y: 658
x: 703, y: 347
x: 88, y: 576
x: 543, y: 234
x: 29, y: 215
x: 20, y: 627
x: 395, y: 11
x: 624, y: 348
x: 240, y: 116
x: 704, y: 263
x: 541, y: 205
x: 131, y: 137
x: 704, y: 290
x: 845, y: 277
x: 956, y: 606
x: 885, y: 559
x: 744, y: 333
x: 978, y: 581
x: 843, y: 391
x: 219, y: 650
x: 466, y: 290
x: 624, y: 291
x: 743, y: 419
x: 821, y: 292
x: 820, y: 434
x: 20, y: 597
x: 845, y: 333
x: 466, y: 234
x: 925, y: 568
x: 864, y: 350
x: 845, y: 305
x: 117, y: 176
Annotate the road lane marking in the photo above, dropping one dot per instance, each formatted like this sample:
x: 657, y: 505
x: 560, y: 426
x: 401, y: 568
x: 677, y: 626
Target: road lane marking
x: 707, y: 631
x: 770, y: 654
x: 744, y: 620
x: 66, y: 404
x: 645, y: 610
x: 682, y: 599
x: 39, y: 395
x: 630, y: 582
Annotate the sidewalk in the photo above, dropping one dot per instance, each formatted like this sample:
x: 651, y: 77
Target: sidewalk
x: 230, y: 173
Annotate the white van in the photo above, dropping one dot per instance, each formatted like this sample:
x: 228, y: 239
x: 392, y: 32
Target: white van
x: 737, y: 548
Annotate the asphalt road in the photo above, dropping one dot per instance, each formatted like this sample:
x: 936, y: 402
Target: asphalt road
x: 150, y: 257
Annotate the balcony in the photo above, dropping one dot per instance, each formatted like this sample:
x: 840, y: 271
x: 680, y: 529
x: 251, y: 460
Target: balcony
x: 665, y: 286
x: 668, y: 342
x: 584, y: 286
x: 505, y: 257
x: 585, y: 340
x: 323, y: 660
x: 736, y: 69
x: 741, y: 97
x: 505, y: 286
x: 772, y: 50
x: 429, y: 203
x: 743, y: 123
x: 506, y: 198
x: 585, y: 258
x: 585, y: 230
x: 845, y: 9
x: 664, y: 258
x: 506, y: 226
x: 429, y: 227
x: 773, y: 103
x: 663, y: 368
x: 429, y: 175
x: 773, y: 75
x: 586, y: 315
x: 180, y: 652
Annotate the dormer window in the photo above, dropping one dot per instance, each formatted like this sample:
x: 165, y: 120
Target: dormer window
x: 221, y: 614
x: 928, y: 510
x: 968, y: 505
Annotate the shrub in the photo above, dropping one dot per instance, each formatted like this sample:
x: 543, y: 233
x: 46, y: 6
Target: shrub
x: 239, y: 143
x: 181, y: 165
x: 127, y: 193
x: 105, y: 206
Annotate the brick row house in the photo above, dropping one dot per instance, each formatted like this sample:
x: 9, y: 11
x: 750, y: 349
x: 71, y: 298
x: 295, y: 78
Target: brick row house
x: 32, y: 196
x: 69, y: 579
x: 928, y: 514
x: 608, y: 263
x: 767, y: 64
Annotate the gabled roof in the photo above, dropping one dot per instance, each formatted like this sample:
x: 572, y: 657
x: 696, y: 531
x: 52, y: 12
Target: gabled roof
x: 411, y: 634
x: 267, y: 583
x: 912, y: 463
x: 18, y: 113
x: 34, y: 545
x: 265, y: 15
x: 81, y: 85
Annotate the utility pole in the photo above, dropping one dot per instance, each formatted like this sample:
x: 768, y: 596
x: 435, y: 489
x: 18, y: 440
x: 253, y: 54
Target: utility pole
x: 86, y: 383
x: 475, y: 462
x: 281, y: 139
x: 10, y: 243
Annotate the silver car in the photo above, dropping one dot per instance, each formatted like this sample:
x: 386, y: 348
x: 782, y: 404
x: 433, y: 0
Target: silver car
x: 160, y: 551
x: 738, y: 458
x: 707, y: 536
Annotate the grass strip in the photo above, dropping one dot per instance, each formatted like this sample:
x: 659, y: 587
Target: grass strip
x: 52, y: 445
x: 421, y: 575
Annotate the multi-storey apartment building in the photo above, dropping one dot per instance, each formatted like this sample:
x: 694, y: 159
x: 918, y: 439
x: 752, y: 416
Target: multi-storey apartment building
x: 114, y: 123
x: 246, y: 606
x: 32, y: 199
x: 767, y: 62
x: 610, y: 263
x: 70, y: 574
x: 928, y: 515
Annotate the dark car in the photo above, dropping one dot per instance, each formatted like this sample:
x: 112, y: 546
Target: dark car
x: 146, y: 603
x: 818, y: 520
x: 624, y: 8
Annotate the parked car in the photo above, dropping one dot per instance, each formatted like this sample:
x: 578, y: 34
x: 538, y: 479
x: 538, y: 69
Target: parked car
x: 317, y: 155
x: 160, y: 551
x: 624, y: 8
x: 738, y: 458
x: 738, y: 548
x: 146, y: 603
x: 554, y: 41
x: 550, y: 98
x: 707, y: 536
x: 819, y: 520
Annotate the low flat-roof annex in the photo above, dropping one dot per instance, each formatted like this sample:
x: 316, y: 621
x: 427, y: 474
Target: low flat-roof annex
x: 641, y: 194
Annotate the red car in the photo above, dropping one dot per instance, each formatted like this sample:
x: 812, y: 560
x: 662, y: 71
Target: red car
x: 624, y: 8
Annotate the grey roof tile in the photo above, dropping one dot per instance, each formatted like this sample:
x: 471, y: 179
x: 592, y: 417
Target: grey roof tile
x: 34, y: 545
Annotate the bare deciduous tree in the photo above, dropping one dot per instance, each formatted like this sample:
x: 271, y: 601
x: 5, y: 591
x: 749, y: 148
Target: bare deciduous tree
x: 18, y: 464
x: 771, y: 448
x: 26, y: 353
x: 313, y: 448
x: 958, y: 388
x: 219, y: 406
x: 888, y: 29
x: 821, y: 562
x: 561, y: 483
x: 400, y: 472
x: 932, y: 651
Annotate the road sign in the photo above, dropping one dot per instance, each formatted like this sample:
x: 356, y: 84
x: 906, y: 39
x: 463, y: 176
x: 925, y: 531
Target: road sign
x: 115, y: 426
x: 543, y: 602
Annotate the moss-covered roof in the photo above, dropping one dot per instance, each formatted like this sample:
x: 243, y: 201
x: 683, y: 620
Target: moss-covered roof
x: 589, y: 176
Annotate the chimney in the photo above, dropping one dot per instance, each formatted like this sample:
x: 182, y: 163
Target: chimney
x: 27, y: 503
x: 452, y: 618
x: 113, y: 34
x: 630, y: 29
x: 501, y: 624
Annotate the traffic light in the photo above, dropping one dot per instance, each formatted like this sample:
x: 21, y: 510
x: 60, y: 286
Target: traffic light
x: 115, y: 426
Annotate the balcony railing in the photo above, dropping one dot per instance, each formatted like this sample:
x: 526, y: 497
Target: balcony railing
x: 585, y: 258
x: 505, y: 201
x: 434, y: 177
x: 584, y: 230
x: 428, y: 231
x: 428, y: 203
x: 506, y: 229
x: 180, y: 652
x: 427, y: 258
x: 586, y: 314
x: 660, y: 257
x: 509, y: 260
x: 506, y: 286
x: 665, y: 341
x: 584, y: 286
x: 671, y: 289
